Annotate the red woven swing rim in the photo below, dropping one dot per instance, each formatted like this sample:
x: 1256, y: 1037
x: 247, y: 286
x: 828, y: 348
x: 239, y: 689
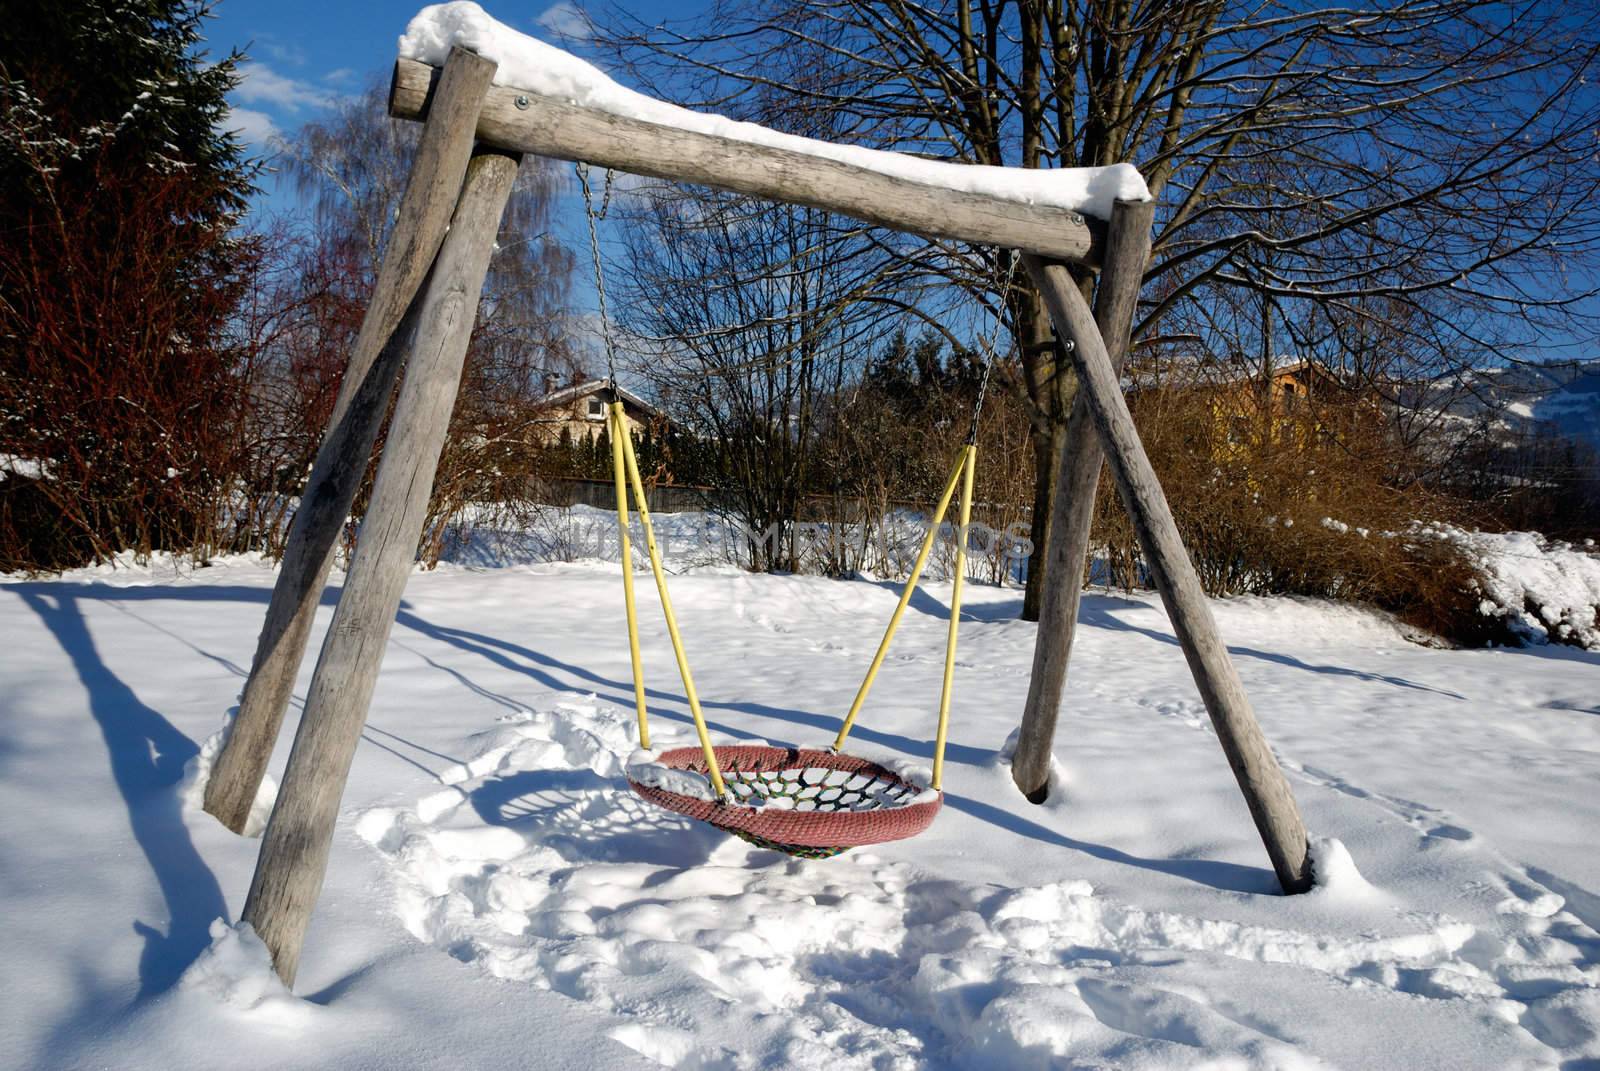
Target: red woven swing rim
x: 811, y: 829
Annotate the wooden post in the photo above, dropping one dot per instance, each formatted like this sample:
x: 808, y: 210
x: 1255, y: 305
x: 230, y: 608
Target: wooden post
x: 1266, y: 790
x: 294, y: 851
x: 1078, y: 476
x: 341, y: 461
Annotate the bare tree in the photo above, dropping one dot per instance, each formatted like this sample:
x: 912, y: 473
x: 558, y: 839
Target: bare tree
x: 352, y: 168
x: 751, y: 318
x: 1316, y: 166
x: 299, y: 317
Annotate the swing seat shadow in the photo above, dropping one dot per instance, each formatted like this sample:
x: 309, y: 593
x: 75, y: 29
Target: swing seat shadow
x: 587, y: 818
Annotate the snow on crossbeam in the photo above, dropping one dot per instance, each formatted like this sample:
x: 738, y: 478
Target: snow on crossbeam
x: 549, y: 102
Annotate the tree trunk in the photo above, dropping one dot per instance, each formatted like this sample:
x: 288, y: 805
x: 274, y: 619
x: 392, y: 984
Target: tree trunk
x: 1047, y: 448
x: 1042, y: 363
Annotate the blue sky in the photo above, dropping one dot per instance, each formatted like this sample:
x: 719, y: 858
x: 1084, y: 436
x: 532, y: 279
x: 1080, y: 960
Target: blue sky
x: 303, y: 55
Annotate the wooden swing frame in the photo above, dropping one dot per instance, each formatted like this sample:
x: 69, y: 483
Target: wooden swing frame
x: 420, y: 319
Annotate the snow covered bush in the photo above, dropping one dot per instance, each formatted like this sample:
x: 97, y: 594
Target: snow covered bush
x: 1540, y: 590
x: 1322, y: 501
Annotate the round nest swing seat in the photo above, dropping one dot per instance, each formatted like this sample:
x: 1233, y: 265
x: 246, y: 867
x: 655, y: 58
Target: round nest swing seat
x: 803, y: 802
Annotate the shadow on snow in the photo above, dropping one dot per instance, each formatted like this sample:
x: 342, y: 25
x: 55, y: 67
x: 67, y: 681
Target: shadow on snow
x: 147, y: 757
x: 147, y: 753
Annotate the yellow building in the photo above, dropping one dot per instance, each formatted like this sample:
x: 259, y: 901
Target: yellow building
x: 1298, y: 405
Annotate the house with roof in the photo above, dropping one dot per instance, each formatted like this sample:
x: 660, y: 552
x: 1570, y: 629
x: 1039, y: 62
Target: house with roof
x: 1249, y: 411
x: 1289, y: 381
x: 580, y: 411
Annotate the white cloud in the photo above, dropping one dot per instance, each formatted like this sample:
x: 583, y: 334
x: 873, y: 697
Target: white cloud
x: 261, y: 84
x: 339, y: 75
x: 566, y: 20
x: 291, y: 54
x: 256, y: 128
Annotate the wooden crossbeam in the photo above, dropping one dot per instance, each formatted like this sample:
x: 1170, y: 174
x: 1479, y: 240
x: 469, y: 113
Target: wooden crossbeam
x: 522, y: 121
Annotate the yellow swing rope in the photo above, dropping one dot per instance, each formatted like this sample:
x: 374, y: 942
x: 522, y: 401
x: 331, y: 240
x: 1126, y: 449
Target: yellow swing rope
x: 618, y: 470
x: 964, y: 471
x: 621, y: 439
x: 971, y: 455
x: 964, y: 464
x: 623, y: 462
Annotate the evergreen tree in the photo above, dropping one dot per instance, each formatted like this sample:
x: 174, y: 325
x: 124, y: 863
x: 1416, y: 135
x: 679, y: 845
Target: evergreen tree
x: 564, y: 460
x: 644, y: 446
x: 119, y: 273
x: 599, y: 459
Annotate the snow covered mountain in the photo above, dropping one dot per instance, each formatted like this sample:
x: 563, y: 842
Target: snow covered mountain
x: 1560, y: 397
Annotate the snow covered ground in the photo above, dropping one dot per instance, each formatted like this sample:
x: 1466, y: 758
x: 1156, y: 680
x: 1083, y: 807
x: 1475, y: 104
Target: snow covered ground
x: 498, y: 898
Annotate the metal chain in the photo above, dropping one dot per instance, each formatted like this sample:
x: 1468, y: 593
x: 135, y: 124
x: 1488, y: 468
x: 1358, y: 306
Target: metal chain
x: 599, y: 276
x: 988, y: 363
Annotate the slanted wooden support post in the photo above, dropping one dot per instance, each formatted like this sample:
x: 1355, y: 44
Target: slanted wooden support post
x: 341, y: 461
x: 1266, y: 790
x: 294, y: 850
x: 1077, y: 478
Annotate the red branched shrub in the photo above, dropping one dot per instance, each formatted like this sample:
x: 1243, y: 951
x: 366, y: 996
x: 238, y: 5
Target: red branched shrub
x: 119, y: 384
